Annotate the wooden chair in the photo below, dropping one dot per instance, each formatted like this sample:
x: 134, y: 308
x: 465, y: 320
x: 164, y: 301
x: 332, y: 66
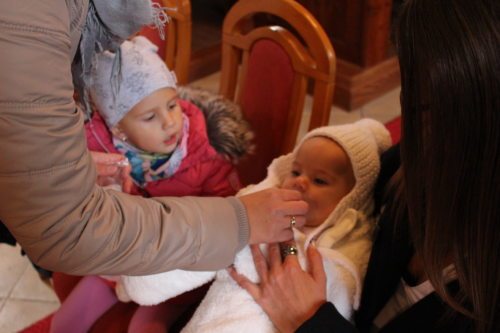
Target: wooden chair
x: 267, y: 70
x: 176, y: 48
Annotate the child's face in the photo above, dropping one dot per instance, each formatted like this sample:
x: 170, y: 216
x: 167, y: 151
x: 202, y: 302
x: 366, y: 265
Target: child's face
x: 322, y: 172
x: 154, y: 124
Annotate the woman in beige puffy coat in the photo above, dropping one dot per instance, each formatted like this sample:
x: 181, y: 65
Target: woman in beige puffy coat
x: 50, y: 202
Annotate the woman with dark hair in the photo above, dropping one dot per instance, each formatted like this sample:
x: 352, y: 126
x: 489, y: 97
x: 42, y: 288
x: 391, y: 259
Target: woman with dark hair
x: 434, y: 266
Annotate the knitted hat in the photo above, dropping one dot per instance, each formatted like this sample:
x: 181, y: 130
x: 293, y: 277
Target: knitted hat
x: 142, y: 73
x: 364, y: 141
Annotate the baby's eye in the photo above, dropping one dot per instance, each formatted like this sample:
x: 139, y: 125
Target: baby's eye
x: 320, y: 181
x: 295, y: 173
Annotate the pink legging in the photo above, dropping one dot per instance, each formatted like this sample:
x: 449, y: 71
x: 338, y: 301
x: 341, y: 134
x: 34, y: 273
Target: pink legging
x: 89, y: 300
x: 93, y: 296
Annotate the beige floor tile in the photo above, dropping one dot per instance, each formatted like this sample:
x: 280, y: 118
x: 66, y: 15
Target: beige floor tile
x: 384, y: 108
x: 210, y: 82
x: 339, y: 116
x: 18, y: 314
x: 31, y: 287
x: 12, y: 267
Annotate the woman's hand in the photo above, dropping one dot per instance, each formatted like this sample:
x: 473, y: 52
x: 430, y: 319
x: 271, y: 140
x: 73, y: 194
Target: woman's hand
x: 113, y: 165
x: 270, y: 214
x: 288, y: 294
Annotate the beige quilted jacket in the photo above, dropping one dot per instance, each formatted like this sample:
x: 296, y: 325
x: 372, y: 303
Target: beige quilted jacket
x: 48, y: 199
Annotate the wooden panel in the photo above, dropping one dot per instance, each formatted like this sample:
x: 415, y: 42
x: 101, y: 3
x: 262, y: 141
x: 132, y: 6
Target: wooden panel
x: 356, y: 85
x: 341, y: 20
x: 358, y: 29
x: 375, y: 34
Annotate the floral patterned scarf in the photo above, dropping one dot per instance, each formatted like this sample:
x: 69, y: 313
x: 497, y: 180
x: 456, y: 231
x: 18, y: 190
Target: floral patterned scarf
x: 148, y: 167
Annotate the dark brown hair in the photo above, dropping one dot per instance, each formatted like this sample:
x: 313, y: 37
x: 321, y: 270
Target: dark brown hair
x: 449, y: 58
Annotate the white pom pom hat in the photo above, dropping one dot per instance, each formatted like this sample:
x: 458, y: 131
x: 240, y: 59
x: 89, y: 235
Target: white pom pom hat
x: 363, y: 141
x: 142, y: 73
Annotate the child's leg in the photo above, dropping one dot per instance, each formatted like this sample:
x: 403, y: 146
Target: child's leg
x: 160, y: 318
x: 155, y: 319
x: 91, y: 298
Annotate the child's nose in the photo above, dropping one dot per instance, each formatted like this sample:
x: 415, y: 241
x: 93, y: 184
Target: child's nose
x: 168, y: 120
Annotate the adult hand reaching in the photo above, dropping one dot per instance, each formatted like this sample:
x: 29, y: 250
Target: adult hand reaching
x: 288, y: 294
x: 113, y: 165
x: 270, y: 213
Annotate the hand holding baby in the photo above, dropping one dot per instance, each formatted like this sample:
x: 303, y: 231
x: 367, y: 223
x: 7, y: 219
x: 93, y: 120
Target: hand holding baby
x: 270, y: 213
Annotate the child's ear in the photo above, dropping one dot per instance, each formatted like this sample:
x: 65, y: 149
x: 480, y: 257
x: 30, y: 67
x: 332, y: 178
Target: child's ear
x: 118, y: 132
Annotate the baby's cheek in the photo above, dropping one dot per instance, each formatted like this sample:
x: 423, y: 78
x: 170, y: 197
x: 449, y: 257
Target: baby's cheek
x: 287, y: 184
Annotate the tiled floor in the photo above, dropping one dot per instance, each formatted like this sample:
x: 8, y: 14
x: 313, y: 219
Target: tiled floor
x: 24, y: 298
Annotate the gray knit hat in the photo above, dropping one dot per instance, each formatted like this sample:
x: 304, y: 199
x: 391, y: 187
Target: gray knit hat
x: 124, y: 17
x: 142, y: 73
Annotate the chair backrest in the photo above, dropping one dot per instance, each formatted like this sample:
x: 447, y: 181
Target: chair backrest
x: 176, y: 47
x: 267, y: 70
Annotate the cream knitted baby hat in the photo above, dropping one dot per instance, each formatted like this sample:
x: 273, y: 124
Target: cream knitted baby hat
x: 142, y: 73
x: 364, y: 141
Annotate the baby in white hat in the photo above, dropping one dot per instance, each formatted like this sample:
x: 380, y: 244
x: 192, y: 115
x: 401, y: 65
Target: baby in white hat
x: 335, y: 169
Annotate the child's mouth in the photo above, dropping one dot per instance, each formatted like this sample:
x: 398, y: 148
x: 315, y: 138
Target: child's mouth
x: 170, y: 141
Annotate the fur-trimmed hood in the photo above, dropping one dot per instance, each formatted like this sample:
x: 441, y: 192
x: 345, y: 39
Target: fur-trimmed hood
x: 228, y: 132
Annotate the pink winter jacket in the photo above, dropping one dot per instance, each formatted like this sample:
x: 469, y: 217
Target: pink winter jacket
x: 202, y: 172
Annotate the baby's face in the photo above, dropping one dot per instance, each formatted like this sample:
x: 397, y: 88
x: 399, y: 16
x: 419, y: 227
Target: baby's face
x: 155, y: 123
x: 322, y: 172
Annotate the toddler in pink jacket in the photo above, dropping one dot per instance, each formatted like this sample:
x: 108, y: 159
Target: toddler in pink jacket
x: 174, y: 149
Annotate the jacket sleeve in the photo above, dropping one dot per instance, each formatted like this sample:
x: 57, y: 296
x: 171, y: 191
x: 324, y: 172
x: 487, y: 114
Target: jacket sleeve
x: 49, y: 199
x: 327, y: 319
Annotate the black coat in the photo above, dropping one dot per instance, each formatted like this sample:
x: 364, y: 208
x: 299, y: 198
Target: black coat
x: 390, y: 255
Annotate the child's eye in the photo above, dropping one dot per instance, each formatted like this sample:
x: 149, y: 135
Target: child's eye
x: 320, y: 181
x: 295, y: 173
x: 172, y: 105
x: 150, y: 117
